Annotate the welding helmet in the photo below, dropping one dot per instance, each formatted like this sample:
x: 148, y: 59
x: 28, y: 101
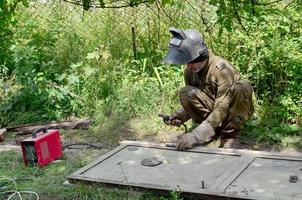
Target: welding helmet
x: 186, y: 46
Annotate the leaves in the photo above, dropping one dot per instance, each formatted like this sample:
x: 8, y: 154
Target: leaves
x: 25, y: 3
x: 151, y: 1
x: 93, y: 55
x: 5, y: 107
x: 73, y: 79
x: 166, y: 2
x: 62, y: 63
x: 105, y: 54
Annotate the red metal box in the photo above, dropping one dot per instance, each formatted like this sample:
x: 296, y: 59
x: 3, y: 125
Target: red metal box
x: 42, y: 148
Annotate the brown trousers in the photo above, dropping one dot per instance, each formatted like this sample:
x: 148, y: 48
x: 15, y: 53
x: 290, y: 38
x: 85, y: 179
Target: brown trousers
x: 198, y: 105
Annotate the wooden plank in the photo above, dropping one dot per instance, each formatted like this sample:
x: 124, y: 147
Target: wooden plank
x: 8, y: 147
x: 2, y: 134
x: 68, y: 124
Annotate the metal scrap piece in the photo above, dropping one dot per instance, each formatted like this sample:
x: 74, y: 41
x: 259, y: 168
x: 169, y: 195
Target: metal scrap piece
x: 151, y: 162
x: 293, y: 179
x: 172, y: 145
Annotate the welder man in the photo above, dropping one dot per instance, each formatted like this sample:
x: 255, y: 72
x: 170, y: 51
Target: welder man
x: 214, y: 97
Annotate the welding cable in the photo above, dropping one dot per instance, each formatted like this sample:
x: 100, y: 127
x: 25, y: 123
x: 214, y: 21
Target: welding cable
x: 15, y: 192
x: 96, y: 146
x: 4, y: 187
x: 24, y: 192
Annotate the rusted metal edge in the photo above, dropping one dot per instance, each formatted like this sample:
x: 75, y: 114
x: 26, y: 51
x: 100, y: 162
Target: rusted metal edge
x: 143, y: 187
x: 239, y: 152
x: 163, y: 146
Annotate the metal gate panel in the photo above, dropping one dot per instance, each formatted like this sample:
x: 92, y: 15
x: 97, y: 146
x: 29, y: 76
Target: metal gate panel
x: 202, y: 172
x: 268, y: 178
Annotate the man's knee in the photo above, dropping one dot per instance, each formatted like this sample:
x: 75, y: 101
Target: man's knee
x: 243, y: 86
x: 196, y: 103
x: 188, y: 92
x: 241, y: 108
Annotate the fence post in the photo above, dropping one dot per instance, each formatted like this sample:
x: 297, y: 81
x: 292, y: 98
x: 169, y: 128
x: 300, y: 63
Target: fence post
x: 134, y: 42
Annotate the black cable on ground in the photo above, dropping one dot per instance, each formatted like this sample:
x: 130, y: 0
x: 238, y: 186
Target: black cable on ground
x: 96, y: 146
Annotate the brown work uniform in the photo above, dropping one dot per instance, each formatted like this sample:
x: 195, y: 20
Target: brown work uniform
x: 216, y: 94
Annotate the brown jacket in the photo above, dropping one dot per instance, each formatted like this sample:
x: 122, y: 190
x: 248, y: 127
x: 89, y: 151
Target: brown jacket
x: 216, y: 81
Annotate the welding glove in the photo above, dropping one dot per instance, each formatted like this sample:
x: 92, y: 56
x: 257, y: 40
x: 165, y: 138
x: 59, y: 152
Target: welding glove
x: 201, y: 134
x: 178, y: 118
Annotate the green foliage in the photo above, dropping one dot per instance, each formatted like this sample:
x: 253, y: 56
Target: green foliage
x: 266, y: 46
x: 56, y: 63
x: 60, y: 64
x: 7, y: 22
x: 7, y: 11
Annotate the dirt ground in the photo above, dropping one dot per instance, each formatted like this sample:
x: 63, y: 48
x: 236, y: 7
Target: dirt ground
x: 13, y: 140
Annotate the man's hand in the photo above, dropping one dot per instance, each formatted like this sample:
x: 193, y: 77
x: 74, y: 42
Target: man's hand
x: 171, y: 120
x: 178, y: 118
x: 174, y: 121
x: 186, y: 141
x: 200, y: 135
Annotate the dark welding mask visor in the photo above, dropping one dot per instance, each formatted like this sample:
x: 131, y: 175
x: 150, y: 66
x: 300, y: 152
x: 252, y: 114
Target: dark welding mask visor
x: 177, y: 57
x: 200, y: 58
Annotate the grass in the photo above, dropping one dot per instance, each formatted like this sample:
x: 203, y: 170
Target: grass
x: 48, y: 181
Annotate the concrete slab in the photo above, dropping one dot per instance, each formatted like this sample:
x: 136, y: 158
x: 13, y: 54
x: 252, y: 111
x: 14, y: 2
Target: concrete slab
x: 203, y: 172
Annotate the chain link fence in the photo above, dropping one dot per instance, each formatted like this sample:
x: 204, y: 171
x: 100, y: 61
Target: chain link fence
x: 120, y: 27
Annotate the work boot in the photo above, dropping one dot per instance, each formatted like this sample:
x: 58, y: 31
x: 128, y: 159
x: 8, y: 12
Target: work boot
x: 229, y: 143
x: 229, y: 138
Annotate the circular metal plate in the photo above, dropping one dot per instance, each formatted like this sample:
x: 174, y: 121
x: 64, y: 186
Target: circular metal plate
x: 151, y: 162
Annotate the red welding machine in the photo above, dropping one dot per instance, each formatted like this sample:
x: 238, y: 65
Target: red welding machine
x: 42, y: 148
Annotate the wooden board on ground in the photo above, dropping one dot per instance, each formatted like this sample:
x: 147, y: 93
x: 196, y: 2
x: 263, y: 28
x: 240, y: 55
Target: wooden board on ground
x: 67, y: 124
x: 9, y: 147
x: 3, y: 133
x: 199, y: 173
